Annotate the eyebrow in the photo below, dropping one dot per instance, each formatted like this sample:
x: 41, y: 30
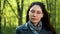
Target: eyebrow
x: 34, y: 10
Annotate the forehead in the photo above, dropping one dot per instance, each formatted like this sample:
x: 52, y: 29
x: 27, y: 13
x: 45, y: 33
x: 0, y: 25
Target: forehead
x: 35, y: 7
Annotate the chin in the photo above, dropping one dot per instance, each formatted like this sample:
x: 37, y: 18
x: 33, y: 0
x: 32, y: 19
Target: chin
x: 35, y: 21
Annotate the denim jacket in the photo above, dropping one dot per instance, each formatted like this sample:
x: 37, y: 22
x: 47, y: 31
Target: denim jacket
x: 24, y: 29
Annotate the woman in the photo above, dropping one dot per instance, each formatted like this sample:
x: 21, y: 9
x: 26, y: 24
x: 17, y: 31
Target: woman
x: 38, y: 21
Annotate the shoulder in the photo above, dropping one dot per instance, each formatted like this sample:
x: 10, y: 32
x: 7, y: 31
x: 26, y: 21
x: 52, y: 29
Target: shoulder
x: 22, y: 27
x: 46, y: 31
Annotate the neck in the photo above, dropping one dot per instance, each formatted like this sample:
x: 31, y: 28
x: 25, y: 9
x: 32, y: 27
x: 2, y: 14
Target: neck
x: 35, y: 24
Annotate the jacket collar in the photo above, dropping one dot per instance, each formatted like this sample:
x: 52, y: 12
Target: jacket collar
x: 27, y: 29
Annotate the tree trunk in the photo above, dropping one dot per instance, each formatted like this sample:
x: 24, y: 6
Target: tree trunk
x: 20, y: 11
x: 0, y: 16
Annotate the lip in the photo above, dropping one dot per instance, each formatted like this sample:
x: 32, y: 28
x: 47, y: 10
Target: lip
x: 34, y: 18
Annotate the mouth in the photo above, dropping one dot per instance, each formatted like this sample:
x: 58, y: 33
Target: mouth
x: 34, y: 19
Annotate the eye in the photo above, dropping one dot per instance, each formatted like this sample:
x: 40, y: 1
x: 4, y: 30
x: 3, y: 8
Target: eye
x: 32, y: 11
x: 38, y: 12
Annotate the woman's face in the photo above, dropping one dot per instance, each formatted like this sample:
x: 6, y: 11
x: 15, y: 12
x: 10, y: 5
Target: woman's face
x: 35, y: 13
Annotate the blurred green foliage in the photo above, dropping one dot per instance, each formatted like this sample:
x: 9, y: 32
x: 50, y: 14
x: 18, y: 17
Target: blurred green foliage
x: 9, y: 20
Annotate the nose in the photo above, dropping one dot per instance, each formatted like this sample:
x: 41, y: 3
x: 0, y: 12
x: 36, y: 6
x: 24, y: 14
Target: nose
x: 34, y: 14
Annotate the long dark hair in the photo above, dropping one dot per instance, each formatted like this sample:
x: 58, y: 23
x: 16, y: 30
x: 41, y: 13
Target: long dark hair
x: 45, y: 20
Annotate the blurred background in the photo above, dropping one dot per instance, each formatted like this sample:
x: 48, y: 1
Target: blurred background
x: 13, y: 14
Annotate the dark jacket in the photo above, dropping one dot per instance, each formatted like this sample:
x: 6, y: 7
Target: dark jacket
x: 24, y: 29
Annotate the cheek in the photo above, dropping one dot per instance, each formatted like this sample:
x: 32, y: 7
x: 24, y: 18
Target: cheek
x: 39, y: 17
x: 30, y: 15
